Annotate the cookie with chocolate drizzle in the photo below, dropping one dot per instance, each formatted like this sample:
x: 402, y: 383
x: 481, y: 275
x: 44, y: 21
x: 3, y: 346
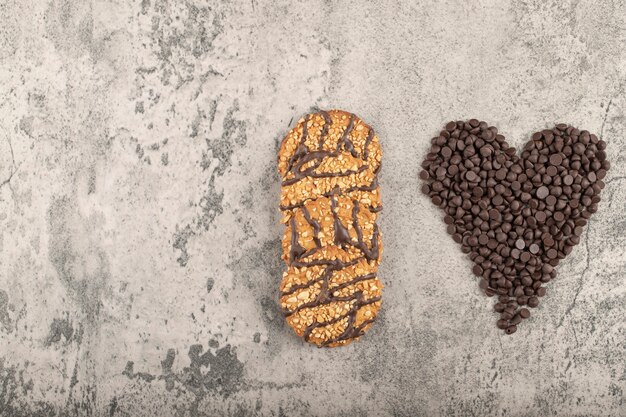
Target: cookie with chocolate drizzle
x: 330, y: 199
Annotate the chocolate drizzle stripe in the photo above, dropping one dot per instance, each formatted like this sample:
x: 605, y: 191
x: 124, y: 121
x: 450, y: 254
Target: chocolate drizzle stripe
x: 307, y: 284
x: 345, y: 142
x: 328, y: 121
x: 368, y: 140
x: 317, y: 156
x: 308, y: 253
x: 305, y: 130
x: 314, y: 224
x: 324, y: 262
x: 358, y: 279
x: 296, y: 250
x: 369, y: 253
x: 301, y: 149
x: 294, y: 180
x: 342, y: 235
x: 297, y: 287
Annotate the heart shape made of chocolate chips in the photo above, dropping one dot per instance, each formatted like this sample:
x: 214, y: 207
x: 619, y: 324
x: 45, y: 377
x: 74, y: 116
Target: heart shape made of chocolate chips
x: 516, y: 216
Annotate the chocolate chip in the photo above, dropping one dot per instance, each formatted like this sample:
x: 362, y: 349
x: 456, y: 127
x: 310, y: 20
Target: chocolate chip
x: 471, y: 176
x: 543, y: 192
x: 568, y: 180
x: 494, y: 214
x: 540, y: 216
x: 591, y: 176
x: 511, y: 329
x: 556, y: 159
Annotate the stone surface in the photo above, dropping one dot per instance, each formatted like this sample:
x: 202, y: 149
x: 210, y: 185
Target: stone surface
x: 139, y: 235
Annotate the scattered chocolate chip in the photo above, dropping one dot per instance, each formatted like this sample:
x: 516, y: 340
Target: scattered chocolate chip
x: 511, y: 329
x: 515, y: 216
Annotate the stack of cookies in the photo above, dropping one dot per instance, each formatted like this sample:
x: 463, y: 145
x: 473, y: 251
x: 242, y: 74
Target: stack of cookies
x: 330, y: 199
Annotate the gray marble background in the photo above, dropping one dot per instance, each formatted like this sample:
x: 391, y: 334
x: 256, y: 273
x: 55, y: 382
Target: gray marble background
x: 139, y: 234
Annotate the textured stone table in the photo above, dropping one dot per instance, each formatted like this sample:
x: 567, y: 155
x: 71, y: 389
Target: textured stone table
x: 139, y: 234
